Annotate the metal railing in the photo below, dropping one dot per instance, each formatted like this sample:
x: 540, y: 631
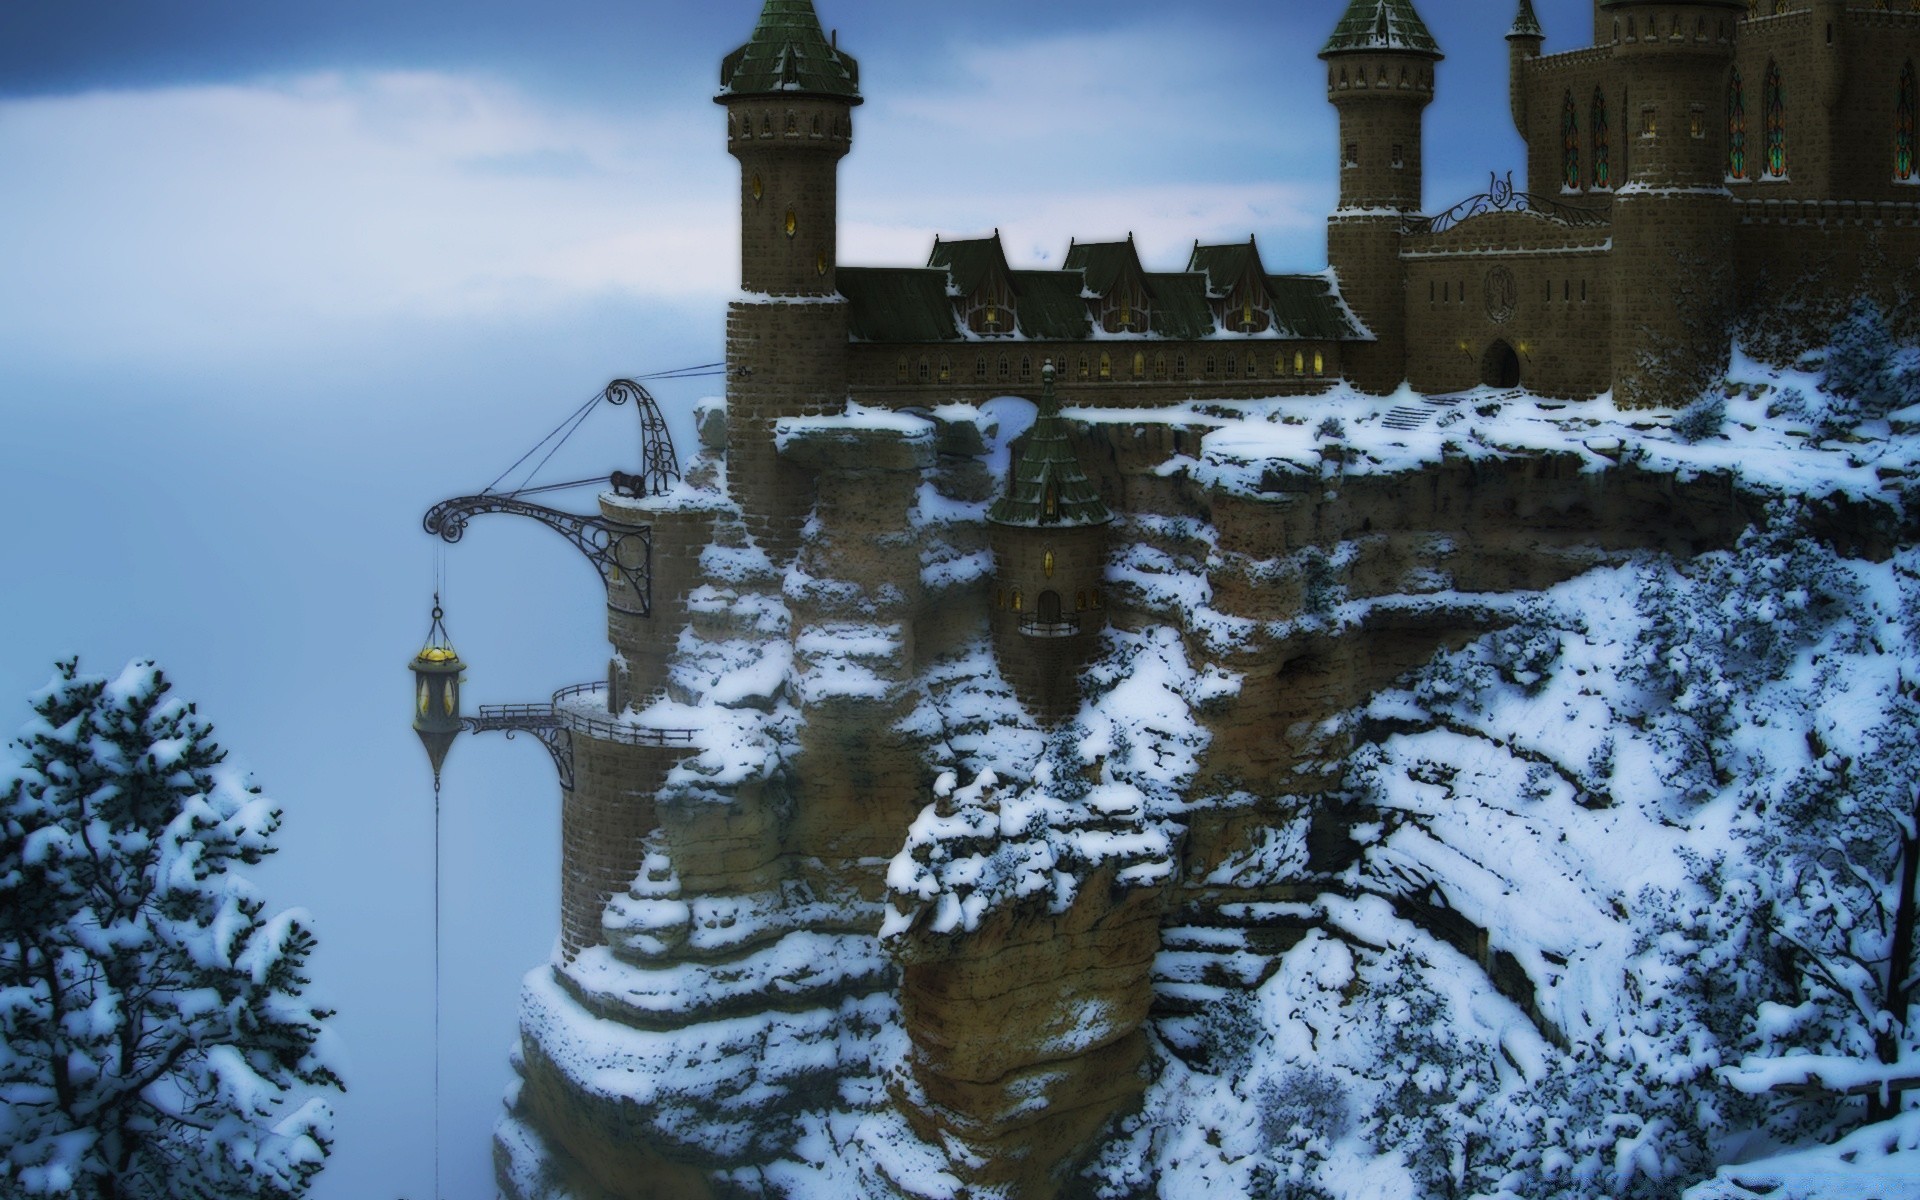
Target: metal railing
x: 605, y: 728
x: 1066, y: 626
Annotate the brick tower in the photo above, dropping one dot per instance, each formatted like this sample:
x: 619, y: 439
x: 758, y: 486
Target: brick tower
x: 1380, y: 63
x: 1523, y: 45
x: 1673, y: 218
x: 789, y: 95
x: 1049, y: 537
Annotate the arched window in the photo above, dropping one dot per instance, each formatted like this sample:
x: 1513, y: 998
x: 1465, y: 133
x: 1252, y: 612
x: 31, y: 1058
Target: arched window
x: 1319, y: 363
x: 1006, y: 367
x: 1736, y: 127
x: 1026, y: 366
x: 793, y: 124
x: 1083, y: 366
x: 946, y: 368
x: 1233, y: 365
x: 1602, y: 142
x: 1213, y: 366
x: 1180, y: 366
x: 1569, y: 146
x: 1776, y: 101
x: 1280, y: 364
x: 1139, y: 365
x: 1106, y: 365
x: 980, y: 369
x: 1903, y: 122
x: 900, y: 369
x: 926, y: 369
x: 1159, y: 366
x: 1299, y: 362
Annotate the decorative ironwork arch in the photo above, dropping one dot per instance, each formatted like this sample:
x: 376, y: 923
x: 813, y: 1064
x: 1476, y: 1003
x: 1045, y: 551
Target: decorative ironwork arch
x: 659, y: 465
x: 1501, y: 197
x: 617, y: 552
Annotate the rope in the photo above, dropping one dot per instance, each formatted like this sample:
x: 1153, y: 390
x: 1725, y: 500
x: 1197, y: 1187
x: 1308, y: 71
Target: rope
x: 578, y: 415
x: 572, y: 424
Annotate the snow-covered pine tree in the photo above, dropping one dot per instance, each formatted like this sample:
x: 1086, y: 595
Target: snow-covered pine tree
x: 153, y: 1036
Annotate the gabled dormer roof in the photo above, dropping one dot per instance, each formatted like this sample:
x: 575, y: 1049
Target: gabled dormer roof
x: 1375, y: 25
x: 1226, y: 267
x: 1048, y: 467
x: 788, y: 54
x: 1106, y: 264
x: 973, y: 262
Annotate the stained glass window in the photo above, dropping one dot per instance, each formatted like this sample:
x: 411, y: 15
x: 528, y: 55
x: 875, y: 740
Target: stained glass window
x: 1570, y: 140
x: 1776, y: 99
x: 1903, y: 122
x: 1602, y: 142
x: 1736, y: 127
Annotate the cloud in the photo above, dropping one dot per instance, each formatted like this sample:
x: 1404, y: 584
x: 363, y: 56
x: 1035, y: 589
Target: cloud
x: 203, y: 220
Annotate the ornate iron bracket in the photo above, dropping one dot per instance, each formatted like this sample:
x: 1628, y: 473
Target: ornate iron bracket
x: 617, y: 552
x: 536, y: 719
x: 1500, y: 196
x: 659, y: 465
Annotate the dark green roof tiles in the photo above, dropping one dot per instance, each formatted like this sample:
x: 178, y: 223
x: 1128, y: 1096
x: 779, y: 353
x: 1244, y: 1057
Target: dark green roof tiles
x: 898, y: 304
x: 789, y: 54
x: 970, y: 261
x: 1048, y: 486
x: 1308, y: 307
x: 1180, y: 307
x: 1104, y: 264
x: 1526, y: 24
x: 1049, y: 305
x: 1381, y: 25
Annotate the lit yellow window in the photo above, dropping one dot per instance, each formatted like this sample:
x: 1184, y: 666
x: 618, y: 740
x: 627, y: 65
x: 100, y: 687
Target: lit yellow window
x: 993, y: 317
x: 820, y: 263
x: 1046, y: 564
x: 1319, y: 363
x: 1106, y: 365
x: 1126, y: 314
x: 1139, y: 365
x: 793, y: 223
x: 1016, y: 600
x: 1299, y: 363
x: 1246, y: 316
x: 759, y: 188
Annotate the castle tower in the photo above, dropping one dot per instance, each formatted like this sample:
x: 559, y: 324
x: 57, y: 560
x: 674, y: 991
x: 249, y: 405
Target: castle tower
x: 1523, y: 46
x: 789, y: 95
x: 1380, y: 63
x: 1049, y: 538
x: 1673, y: 218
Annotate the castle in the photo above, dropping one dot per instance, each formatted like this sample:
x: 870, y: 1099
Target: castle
x: 780, y: 710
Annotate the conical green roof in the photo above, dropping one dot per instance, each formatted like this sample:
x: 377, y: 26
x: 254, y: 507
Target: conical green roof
x: 1381, y: 25
x: 1525, y: 23
x: 1048, y: 486
x: 788, y: 54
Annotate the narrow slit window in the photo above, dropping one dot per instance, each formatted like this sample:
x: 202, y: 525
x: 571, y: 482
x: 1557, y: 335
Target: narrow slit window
x: 1736, y: 127
x: 1776, y: 102
x: 1602, y: 142
x: 1903, y: 124
x: 1569, y: 146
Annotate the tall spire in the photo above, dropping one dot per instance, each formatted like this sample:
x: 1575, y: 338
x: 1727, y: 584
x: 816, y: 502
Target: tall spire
x: 789, y: 54
x: 1525, y: 23
x: 1048, y: 486
x: 1381, y: 25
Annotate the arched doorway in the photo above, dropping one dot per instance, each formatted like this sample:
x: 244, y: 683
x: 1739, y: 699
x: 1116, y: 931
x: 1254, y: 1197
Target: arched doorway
x: 1500, y: 367
x: 1049, y: 608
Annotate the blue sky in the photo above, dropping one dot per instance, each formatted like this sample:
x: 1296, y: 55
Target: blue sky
x: 274, y: 278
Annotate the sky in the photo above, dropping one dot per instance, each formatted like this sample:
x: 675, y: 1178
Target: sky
x: 276, y: 278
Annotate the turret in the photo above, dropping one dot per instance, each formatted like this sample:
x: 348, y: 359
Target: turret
x: 1380, y: 63
x: 1672, y: 217
x: 789, y: 95
x: 1049, y: 538
x: 1523, y: 46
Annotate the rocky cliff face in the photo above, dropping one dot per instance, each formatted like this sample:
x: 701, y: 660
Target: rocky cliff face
x: 886, y: 934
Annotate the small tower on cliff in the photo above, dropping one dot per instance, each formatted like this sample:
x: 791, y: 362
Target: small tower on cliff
x: 1049, y: 538
x: 1380, y: 63
x: 1673, y: 218
x: 789, y: 95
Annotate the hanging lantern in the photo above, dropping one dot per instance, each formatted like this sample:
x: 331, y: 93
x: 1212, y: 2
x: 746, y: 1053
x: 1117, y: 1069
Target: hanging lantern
x: 436, y: 692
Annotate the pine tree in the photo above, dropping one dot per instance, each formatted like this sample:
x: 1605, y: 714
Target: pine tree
x: 153, y: 1039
